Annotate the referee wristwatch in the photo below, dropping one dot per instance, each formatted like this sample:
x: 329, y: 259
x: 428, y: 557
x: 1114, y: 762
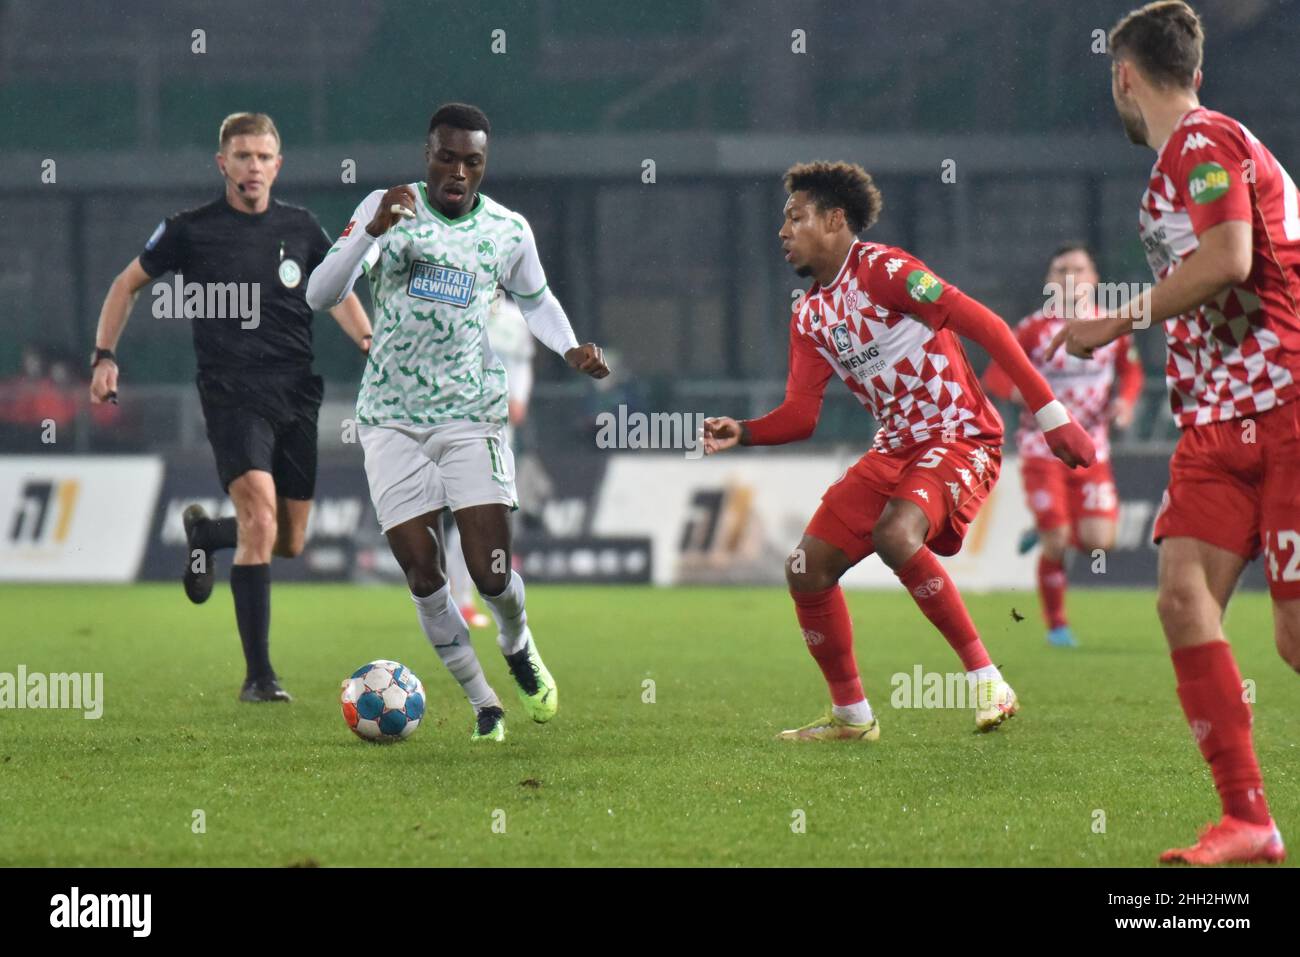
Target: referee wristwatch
x: 100, y: 355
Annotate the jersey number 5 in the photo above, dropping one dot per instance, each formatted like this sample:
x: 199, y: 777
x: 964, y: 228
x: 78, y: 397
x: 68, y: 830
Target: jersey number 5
x: 931, y: 459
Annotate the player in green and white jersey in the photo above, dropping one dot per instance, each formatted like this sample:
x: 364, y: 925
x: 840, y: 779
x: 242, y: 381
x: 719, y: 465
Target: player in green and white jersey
x: 432, y: 407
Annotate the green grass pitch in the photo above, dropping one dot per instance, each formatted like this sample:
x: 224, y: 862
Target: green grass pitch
x: 690, y: 779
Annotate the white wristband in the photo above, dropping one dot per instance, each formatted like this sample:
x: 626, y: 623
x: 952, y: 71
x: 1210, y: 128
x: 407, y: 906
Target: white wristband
x: 1052, y: 416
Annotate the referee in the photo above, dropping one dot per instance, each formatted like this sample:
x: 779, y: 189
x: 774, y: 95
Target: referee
x: 251, y: 257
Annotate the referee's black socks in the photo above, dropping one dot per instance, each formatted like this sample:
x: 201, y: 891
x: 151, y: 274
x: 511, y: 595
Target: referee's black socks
x: 216, y: 533
x: 251, y: 586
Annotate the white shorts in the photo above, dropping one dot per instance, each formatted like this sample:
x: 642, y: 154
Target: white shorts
x: 414, y: 469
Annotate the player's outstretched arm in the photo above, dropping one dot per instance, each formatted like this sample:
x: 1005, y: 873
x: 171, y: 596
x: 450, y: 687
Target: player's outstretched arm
x: 546, y: 320
x: 1223, y: 258
x: 722, y: 433
x: 996, y: 382
x: 525, y: 280
x: 1066, y: 438
x: 795, y: 419
x: 112, y: 320
x: 588, y: 359
x: 333, y: 278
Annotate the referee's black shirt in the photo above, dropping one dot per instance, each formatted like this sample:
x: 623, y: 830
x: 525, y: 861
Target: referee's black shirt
x: 277, y: 249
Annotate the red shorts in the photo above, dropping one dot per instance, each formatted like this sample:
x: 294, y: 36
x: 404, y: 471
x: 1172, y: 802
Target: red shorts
x: 1236, y: 485
x: 1060, y: 496
x: 949, y: 481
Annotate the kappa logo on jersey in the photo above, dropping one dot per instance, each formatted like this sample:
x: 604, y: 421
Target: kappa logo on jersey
x: 1207, y: 182
x: 892, y: 267
x: 840, y: 335
x: 921, y: 492
x: 1195, y: 142
x: 438, y: 283
x: 923, y: 287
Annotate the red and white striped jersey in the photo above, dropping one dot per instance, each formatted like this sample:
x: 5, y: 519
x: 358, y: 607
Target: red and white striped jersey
x: 879, y: 325
x: 1239, y: 353
x: 1085, y: 386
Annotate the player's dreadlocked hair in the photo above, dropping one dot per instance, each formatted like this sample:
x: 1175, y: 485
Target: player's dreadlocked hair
x: 845, y: 186
x: 1164, y: 39
x: 460, y: 116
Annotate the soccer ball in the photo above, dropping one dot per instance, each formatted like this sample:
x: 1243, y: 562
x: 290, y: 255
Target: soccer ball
x: 383, y: 701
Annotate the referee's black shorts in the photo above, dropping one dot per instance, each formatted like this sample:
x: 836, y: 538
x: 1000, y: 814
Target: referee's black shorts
x: 264, y: 421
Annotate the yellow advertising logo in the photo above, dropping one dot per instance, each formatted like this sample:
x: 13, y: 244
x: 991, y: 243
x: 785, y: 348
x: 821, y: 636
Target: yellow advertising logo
x: 45, y: 512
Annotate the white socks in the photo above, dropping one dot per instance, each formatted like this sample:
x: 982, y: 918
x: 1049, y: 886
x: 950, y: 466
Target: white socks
x: 859, y: 713
x: 987, y: 673
x: 446, y: 630
x: 508, y: 610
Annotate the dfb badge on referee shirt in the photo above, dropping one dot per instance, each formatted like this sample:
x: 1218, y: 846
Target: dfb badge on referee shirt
x: 290, y: 273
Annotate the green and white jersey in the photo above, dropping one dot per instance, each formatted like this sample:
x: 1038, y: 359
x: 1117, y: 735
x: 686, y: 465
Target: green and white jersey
x: 432, y: 280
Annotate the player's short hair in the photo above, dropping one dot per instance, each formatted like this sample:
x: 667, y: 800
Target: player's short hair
x: 246, y: 124
x: 460, y: 116
x: 845, y: 186
x: 1072, y: 246
x: 1165, y: 39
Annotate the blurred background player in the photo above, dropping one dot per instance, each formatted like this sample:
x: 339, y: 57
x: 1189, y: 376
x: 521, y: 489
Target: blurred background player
x: 1220, y: 221
x: 878, y: 318
x: 432, y: 409
x: 1071, y: 507
x: 260, y: 397
x: 512, y: 343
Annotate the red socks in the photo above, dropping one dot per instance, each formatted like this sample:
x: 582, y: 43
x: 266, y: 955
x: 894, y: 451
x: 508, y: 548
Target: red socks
x: 824, y: 618
x: 937, y: 597
x: 1209, y: 686
x: 1051, y: 589
x: 829, y: 634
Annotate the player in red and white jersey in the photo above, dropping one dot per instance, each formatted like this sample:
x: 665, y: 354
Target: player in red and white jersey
x: 888, y: 327
x: 1071, y: 507
x: 1220, y: 220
